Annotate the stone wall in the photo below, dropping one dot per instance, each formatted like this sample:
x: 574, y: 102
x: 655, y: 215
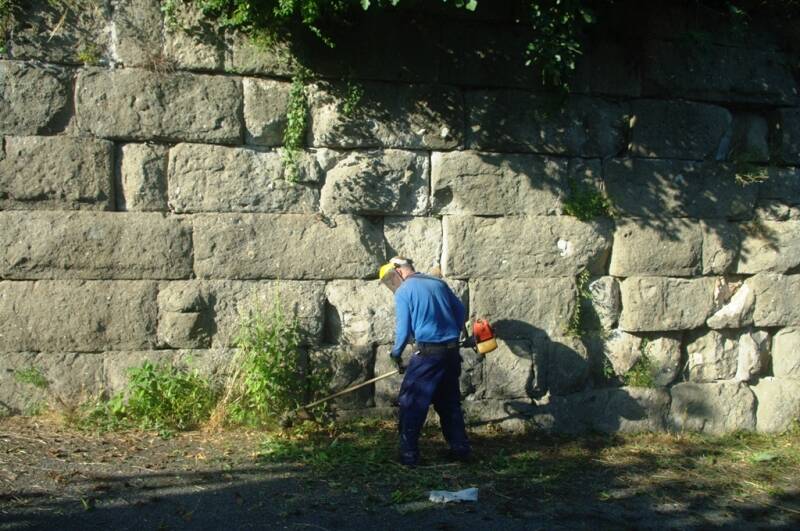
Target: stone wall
x: 143, y: 205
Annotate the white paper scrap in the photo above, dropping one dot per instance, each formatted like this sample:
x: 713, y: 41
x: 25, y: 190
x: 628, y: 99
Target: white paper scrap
x: 445, y: 496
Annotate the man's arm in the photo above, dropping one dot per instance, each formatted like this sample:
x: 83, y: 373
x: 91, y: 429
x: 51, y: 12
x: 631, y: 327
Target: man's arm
x: 402, y: 331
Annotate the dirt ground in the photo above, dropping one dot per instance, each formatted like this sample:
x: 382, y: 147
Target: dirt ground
x: 53, y: 477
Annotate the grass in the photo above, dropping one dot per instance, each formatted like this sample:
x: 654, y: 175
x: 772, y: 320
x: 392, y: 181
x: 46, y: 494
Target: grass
x: 32, y: 376
x: 544, y: 467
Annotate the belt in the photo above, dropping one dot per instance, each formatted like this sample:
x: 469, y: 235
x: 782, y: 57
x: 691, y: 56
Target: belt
x: 432, y: 349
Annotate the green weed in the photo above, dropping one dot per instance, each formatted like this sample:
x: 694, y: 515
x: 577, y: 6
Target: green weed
x: 641, y: 374
x: 586, y: 202
x: 32, y: 376
x: 296, y: 123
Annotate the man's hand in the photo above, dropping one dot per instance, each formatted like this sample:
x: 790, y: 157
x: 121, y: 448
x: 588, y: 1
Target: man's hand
x: 398, y: 360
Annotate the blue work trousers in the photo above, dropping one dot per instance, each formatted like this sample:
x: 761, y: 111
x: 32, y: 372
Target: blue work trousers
x: 431, y: 379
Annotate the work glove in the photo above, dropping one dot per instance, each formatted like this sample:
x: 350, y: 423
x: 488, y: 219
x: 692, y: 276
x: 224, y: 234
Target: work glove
x: 398, y: 360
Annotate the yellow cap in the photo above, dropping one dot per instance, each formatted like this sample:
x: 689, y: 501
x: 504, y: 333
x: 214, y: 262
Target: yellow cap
x: 385, y: 269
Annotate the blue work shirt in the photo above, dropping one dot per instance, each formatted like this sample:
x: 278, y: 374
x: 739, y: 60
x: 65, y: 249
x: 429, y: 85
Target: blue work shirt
x: 426, y: 308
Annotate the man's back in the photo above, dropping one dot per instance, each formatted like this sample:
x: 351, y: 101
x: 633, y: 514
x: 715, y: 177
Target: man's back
x: 434, y: 313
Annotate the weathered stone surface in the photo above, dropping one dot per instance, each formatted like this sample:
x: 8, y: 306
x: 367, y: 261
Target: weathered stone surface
x: 417, y: 238
x: 525, y: 308
x: 243, y: 55
x: 658, y: 303
x: 778, y: 404
x: 200, y: 48
x: 206, y: 178
x: 664, y: 353
x: 203, y: 313
x: 359, y: 312
x: 266, y: 103
x: 431, y: 117
x: 721, y: 242
x: 56, y: 173
x: 377, y: 182
x: 604, y: 302
x: 773, y: 210
x: 142, y: 105
x: 75, y: 315
x: 514, y: 370
x: 604, y: 67
x: 529, y: 122
x: 628, y: 410
x: 48, y: 32
x: 769, y: 246
x: 679, y: 130
x: 622, y: 350
x: 717, y: 73
x: 142, y: 179
x: 786, y: 353
x: 292, y: 246
x: 749, y: 141
x: 671, y: 247
x: 785, y: 136
x: 644, y: 188
x: 93, y: 246
x: 782, y: 184
x: 137, y: 32
x: 727, y: 355
x: 33, y: 98
x: 490, y: 184
x: 512, y: 416
x: 346, y: 367
x: 776, y: 299
x: 713, y: 408
x: 69, y: 379
x: 567, y: 363
x: 738, y: 312
x: 520, y: 247
x: 471, y: 382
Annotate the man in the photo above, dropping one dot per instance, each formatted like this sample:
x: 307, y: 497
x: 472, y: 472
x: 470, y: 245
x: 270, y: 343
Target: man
x: 430, y: 314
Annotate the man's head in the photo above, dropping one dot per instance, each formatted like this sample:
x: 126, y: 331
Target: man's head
x: 395, y: 272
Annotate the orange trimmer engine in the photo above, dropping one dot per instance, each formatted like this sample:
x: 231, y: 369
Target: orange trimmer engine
x: 483, y: 333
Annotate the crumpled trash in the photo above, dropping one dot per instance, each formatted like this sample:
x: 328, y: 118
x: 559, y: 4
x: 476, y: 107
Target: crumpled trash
x: 446, y: 496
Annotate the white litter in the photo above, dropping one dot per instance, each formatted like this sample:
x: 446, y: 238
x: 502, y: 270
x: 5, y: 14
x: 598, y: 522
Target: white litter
x: 446, y: 496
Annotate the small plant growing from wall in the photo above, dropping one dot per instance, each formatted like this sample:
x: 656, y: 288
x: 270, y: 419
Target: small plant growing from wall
x: 586, y: 202
x: 641, y: 374
x: 576, y: 325
x: 32, y: 376
x: 296, y: 121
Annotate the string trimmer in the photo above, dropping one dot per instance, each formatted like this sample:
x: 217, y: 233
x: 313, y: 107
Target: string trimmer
x: 288, y: 418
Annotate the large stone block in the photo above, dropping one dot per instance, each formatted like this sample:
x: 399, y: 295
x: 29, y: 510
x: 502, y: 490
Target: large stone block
x: 664, y: 353
x: 721, y: 242
x: 776, y: 299
x: 605, y: 68
x: 658, y: 303
x: 392, y: 116
x: 713, y: 408
x: 292, y: 246
x: 678, y: 130
x: 240, y: 53
x: 266, y: 105
x: 519, y: 121
x: 386, y: 390
x: 671, y: 247
x: 33, y: 98
x: 142, y: 178
x: 786, y: 353
x: 644, y: 188
x: 204, y: 313
x: 786, y: 136
x: 49, y: 32
x: 199, y: 48
x: 56, y: 173
x: 489, y: 184
x: 727, y: 355
x: 344, y: 368
x: 778, y: 404
x: 525, y: 308
x: 717, y: 73
x: 205, y: 178
x: 782, y: 184
x: 523, y: 247
x: 137, y: 32
x: 69, y: 378
x: 567, y: 363
x: 134, y: 104
x: 769, y: 246
x: 737, y: 312
x: 94, y: 246
x: 417, y: 238
x: 514, y: 370
x: 627, y: 410
x: 75, y: 315
x: 359, y: 312
x: 377, y: 182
